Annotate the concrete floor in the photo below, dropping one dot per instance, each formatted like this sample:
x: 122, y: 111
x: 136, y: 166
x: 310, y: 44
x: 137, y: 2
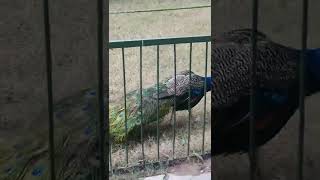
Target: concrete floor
x: 186, y: 171
x: 205, y: 176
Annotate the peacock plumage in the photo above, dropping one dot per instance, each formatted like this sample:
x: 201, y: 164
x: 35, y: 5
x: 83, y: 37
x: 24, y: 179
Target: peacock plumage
x: 276, y: 88
x: 24, y: 153
x: 149, y: 102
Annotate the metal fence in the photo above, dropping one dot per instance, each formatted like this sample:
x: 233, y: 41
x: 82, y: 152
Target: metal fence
x: 158, y: 43
x: 174, y: 41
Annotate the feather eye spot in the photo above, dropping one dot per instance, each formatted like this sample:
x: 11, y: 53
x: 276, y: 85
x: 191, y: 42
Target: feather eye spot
x: 86, y: 107
x: 37, y: 171
x: 87, y: 131
x: 92, y: 93
x: 8, y: 170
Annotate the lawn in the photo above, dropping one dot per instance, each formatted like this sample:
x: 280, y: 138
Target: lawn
x: 193, y: 22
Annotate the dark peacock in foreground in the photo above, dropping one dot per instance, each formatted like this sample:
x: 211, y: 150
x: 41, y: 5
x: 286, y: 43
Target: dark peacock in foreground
x: 276, y: 88
x: 24, y: 153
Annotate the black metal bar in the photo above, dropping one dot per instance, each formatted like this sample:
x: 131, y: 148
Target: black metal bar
x: 125, y: 102
x: 252, y: 148
x: 110, y: 159
x: 189, y: 100
x: 304, y: 34
x: 49, y: 87
x: 101, y: 92
x: 205, y: 100
x: 175, y: 100
x: 141, y: 108
x: 158, y: 91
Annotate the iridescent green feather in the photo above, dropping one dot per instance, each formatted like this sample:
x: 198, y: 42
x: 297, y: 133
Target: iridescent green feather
x: 149, y: 111
x: 24, y: 153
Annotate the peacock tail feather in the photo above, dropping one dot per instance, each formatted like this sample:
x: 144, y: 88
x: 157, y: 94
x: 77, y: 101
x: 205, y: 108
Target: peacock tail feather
x: 133, y: 113
x: 26, y: 155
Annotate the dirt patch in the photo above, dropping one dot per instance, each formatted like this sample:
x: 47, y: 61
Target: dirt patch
x: 191, y: 168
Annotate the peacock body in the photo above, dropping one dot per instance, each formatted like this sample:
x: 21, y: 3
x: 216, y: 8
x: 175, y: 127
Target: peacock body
x: 276, y: 88
x: 149, y: 103
x: 24, y: 153
x: 277, y: 67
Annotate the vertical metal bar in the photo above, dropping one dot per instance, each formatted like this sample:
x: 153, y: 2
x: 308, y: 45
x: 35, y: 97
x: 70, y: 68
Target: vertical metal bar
x: 304, y: 33
x: 49, y: 86
x: 125, y: 103
x: 252, y: 148
x: 205, y: 99
x: 141, y: 108
x: 105, y: 8
x: 110, y: 159
x: 175, y: 100
x: 158, y: 91
x: 100, y: 91
x: 189, y: 100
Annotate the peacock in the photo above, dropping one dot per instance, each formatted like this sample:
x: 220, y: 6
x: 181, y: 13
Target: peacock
x: 24, y: 154
x: 150, y: 97
x: 277, y: 85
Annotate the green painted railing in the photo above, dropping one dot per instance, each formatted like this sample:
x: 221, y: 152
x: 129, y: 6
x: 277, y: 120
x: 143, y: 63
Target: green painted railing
x: 160, y: 41
x: 123, y: 44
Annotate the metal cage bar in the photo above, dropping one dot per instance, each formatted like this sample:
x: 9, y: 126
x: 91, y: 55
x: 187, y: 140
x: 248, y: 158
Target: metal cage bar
x: 175, y: 98
x: 158, y: 91
x: 49, y: 87
x: 125, y: 102
x: 304, y: 35
x: 101, y: 92
x: 110, y: 159
x: 189, y: 101
x: 141, y: 108
x: 205, y: 100
x: 252, y: 142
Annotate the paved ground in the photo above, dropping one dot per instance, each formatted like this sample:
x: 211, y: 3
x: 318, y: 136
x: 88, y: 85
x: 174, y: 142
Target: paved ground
x: 205, y: 176
x: 186, y: 171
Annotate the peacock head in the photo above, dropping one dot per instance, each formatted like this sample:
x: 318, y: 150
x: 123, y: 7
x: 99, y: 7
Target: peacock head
x: 198, y: 84
x: 203, y: 83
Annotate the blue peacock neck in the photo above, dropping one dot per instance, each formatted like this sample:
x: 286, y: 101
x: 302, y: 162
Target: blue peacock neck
x: 209, y: 83
x: 313, y: 70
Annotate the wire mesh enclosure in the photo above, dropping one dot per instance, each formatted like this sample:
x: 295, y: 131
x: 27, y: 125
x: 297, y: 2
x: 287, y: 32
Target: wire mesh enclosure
x: 152, y: 143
